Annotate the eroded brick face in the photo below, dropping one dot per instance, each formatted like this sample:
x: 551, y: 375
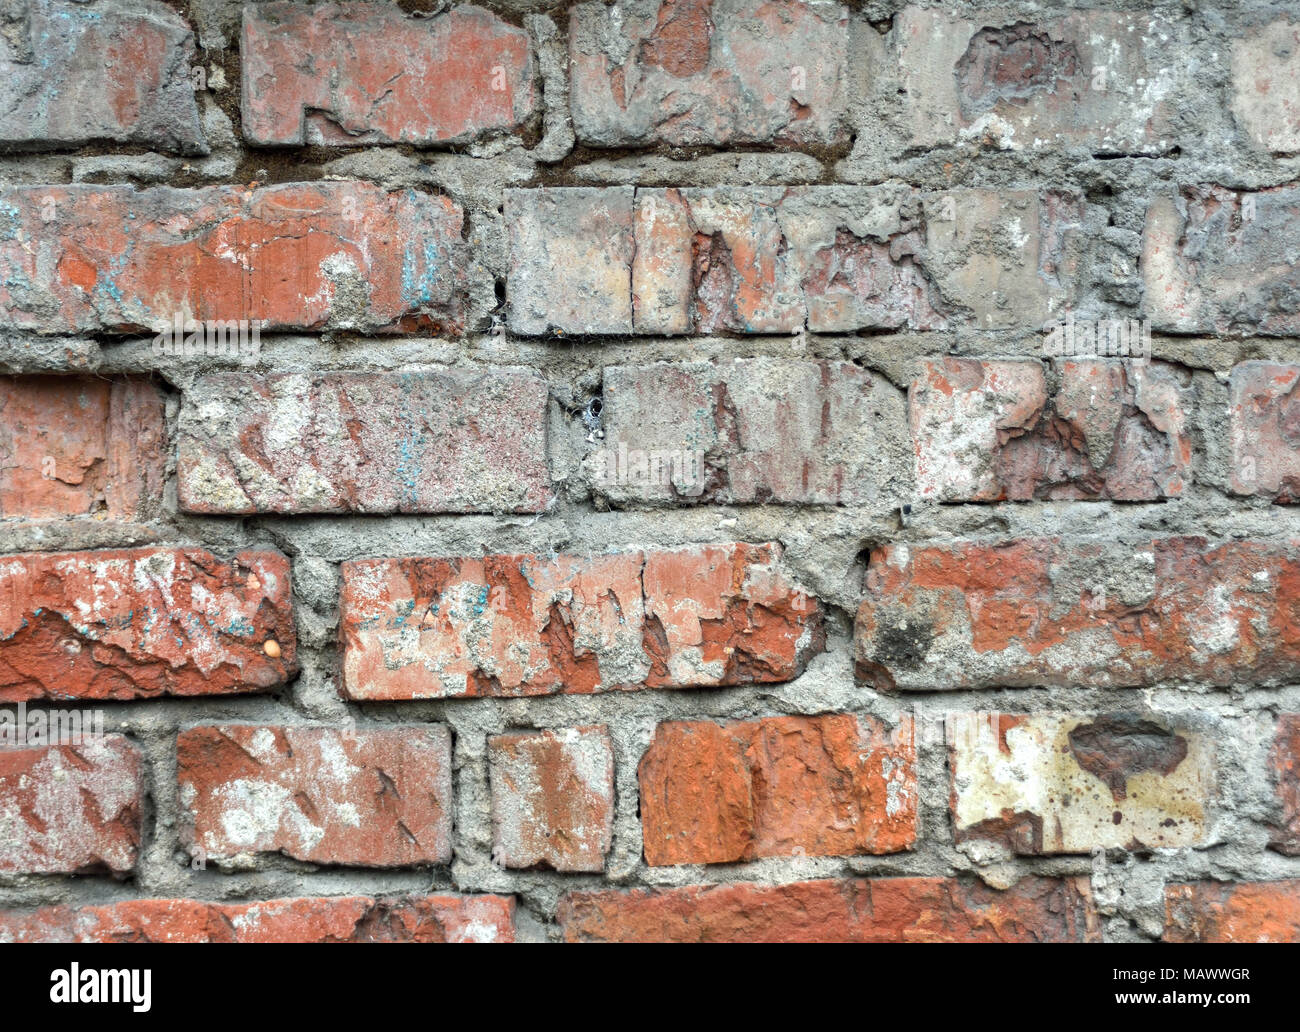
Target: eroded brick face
x: 446, y: 441
x: 140, y: 623
x: 1285, y: 760
x: 363, y: 73
x: 1226, y: 912
x: 1047, y: 611
x: 71, y: 809
x: 366, y: 798
x: 1100, y: 428
x: 1264, y: 431
x: 296, y: 256
x: 74, y: 446
x: 857, y: 910
x: 1043, y: 784
x: 785, y: 786
x: 1265, y: 87
x: 552, y: 798
x: 529, y: 625
x: 332, y: 919
x: 690, y: 72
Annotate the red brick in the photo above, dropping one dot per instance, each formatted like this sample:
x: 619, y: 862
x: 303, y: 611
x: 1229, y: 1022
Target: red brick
x: 71, y: 809
x: 1285, y: 760
x: 994, y: 431
x: 447, y: 441
x: 530, y: 625
x: 73, y: 73
x: 1222, y: 912
x: 296, y: 256
x: 358, y: 73
x: 331, y: 919
x: 689, y: 72
x: 1047, y: 611
x: 81, y: 446
x: 851, y: 910
x: 1067, y: 783
x: 1264, y: 428
x: 140, y: 623
x: 552, y: 798
x: 782, y: 786
x: 1216, y: 260
x: 379, y: 798
x: 1265, y: 87
x: 1101, y: 81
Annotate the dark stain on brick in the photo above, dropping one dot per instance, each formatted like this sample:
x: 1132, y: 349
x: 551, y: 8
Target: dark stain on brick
x: 1022, y: 832
x: 1012, y: 63
x: 1118, y: 746
x: 903, y: 644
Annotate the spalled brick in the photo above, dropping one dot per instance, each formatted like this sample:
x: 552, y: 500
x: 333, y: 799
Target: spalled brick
x: 570, y: 260
x: 531, y: 625
x: 1223, y: 261
x: 81, y: 446
x: 552, y: 798
x: 1223, y: 912
x: 455, y: 440
x: 783, y: 786
x: 118, y: 70
x: 140, y: 623
x: 850, y: 910
x: 714, y: 72
x: 297, y: 256
x: 1264, y: 428
x: 1047, y: 611
x: 363, y: 73
x: 1265, y: 86
x: 378, y: 798
x: 1105, y: 428
x: 1101, y: 81
x: 748, y: 431
x: 1285, y: 761
x: 71, y: 809
x: 1041, y: 784
x: 327, y: 919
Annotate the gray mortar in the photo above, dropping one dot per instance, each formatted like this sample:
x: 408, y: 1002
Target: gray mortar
x: 824, y: 546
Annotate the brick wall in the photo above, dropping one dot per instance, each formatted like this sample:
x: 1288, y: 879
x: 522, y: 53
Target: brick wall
x: 668, y: 469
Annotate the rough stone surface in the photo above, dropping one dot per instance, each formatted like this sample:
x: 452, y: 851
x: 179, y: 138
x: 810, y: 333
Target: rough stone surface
x: 140, y: 623
x: 363, y: 73
x: 532, y: 625
x: 372, y: 798
x: 552, y: 798
x: 71, y: 809
x: 1070, y: 784
x: 1224, y: 912
x: 1265, y: 431
x: 451, y: 440
x: 1265, y: 86
x: 1285, y: 760
x: 783, y: 786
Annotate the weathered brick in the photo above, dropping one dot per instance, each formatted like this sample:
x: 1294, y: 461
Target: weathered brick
x: 533, y: 625
x: 455, y: 440
x: 373, y: 798
x: 328, y: 919
x: 139, y: 623
x: 81, y: 446
x: 296, y: 256
x: 358, y: 73
x: 74, y: 72
x: 783, y: 786
x: 1223, y: 912
x: 1285, y: 759
x: 715, y: 72
x: 1264, y: 428
x: 570, y: 260
x: 850, y: 910
x: 1102, y: 81
x: 1265, y: 86
x: 1046, y: 611
x: 1041, y: 783
x: 552, y: 798
x: 1223, y: 261
x: 748, y: 431
x: 71, y: 809
x: 1104, y: 428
